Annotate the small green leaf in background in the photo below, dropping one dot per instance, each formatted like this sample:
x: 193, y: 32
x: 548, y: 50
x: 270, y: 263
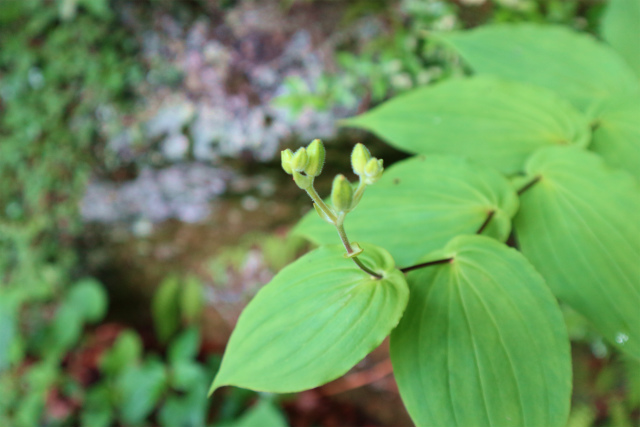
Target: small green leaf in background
x: 492, y: 122
x: 65, y: 330
x: 165, y: 308
x: 185, y: 346
x: 580, y: 227
x: 90, y: 298
x: 263, y: 414
x: 482, y: 342
x: 572, y: 64
x: 191, y: 299
x: 314, y: 321
x: 126, y: 351
x: 421, y: 203
x: 139, y: 388
x: 621, y: 29
x: 617, y: 131
x: 96, y: 409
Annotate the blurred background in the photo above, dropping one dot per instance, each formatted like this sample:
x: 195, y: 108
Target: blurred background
x: 142, y: 203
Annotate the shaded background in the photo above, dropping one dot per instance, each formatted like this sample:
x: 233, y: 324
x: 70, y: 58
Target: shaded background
x: 142, y: 203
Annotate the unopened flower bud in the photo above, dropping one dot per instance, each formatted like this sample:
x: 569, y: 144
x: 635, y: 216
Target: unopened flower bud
x: 286, y: 156
x: 359, y: 158
x: 299, y: 160
x: 302, y: 181
x: 373, y: 170
x: 316, y: 154
x: 341, y: 194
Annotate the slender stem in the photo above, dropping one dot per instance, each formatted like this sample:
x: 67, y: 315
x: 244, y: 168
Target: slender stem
x: 486, y: 222
x: 528, y: 185
x: 320, y: 203
x: 357, y: 195
x: 425, y: 264
x: 347, y: 245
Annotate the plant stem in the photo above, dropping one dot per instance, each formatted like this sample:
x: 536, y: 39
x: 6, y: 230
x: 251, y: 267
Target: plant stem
x: 347, y: 245
x: 425, y: 264
x: 528, y: 185
x: 321, y: 204
x: 486, y: 222
x: 357, y: 195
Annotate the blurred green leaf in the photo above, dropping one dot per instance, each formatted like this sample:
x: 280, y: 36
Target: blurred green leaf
x: 313, y: 322
x: 572, y: 64
x: 263, y: 414
x: 185, y: 346
x: 482, y: 342
x: 126, y: 351
x: 89, y: 297
x: 185, y: 411
x: 186, y: 374
x: 492, y: 122
x: 617, y: 134
x: 165, y: 308
x: 578, y: 225
x: 437, y: 197
x: 140, y: 388
x: 192, y: 299
x: 619, y: 27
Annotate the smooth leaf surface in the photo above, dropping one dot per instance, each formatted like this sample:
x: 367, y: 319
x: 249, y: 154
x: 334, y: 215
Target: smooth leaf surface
x: 620, y: 27
x: 617, y: 134
x: 482, y: 341
x: 580, y: 227
x: 492, y: 122
x: 420, y: 204
x: 313, y: 322
x: 572, y: 64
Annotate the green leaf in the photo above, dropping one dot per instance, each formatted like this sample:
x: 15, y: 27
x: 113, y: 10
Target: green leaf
x: 617, y: 134
x: 620, y: 28
x: 185, y: 411
x: 482, y: 342
x: 126, y: 351
x: 420, y: 204
x: 572, y: 64
x: 313, y: 322
x: 140, y: 388
x: 192, y: 299
x: 165, y: 308
x: 579, y: 227
x: 185, y: 346
x: 90, y: 298
x: 263, y: 414
x: 492, y: 122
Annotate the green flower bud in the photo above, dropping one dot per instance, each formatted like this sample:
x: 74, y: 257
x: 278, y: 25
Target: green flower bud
x: 299, y: 160
x: 302, y: 181
x: 341, y: 194
x: 316, y: 154
x: 286, y: 156
x: 359, y: 158
x: 373, y: 170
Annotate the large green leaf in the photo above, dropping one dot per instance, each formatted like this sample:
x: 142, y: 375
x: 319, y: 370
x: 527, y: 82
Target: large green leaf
x: 492, y: 122
x: 617, y: 134
x: 482, y: 341
x: 316, y: 319
x: 620, y: 26
x: 574, y: 65
x: 580, y: 227
x: 421, y: 203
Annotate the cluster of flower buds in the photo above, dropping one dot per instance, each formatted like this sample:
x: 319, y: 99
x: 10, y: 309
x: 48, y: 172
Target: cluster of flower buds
x: 368, y: 168
x: 306, y: 164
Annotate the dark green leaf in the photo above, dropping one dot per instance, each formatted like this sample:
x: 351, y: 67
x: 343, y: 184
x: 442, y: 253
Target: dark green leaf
x: 482, y: 342
x: 492, y: 122
x: 579, y: 226
x: 620, y: 28
x: 574, y: 65
x: 617, y: 134
x: 166, y: 308
x: 420, y: 204
x: 126, y: 351
x: 263, y: 414
x: 316, y: 319
x: 185, y: 346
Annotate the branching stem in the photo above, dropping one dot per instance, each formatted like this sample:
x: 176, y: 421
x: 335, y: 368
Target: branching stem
x: 311, y: 191
x: 425, y: 264
x: 347, y: 245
